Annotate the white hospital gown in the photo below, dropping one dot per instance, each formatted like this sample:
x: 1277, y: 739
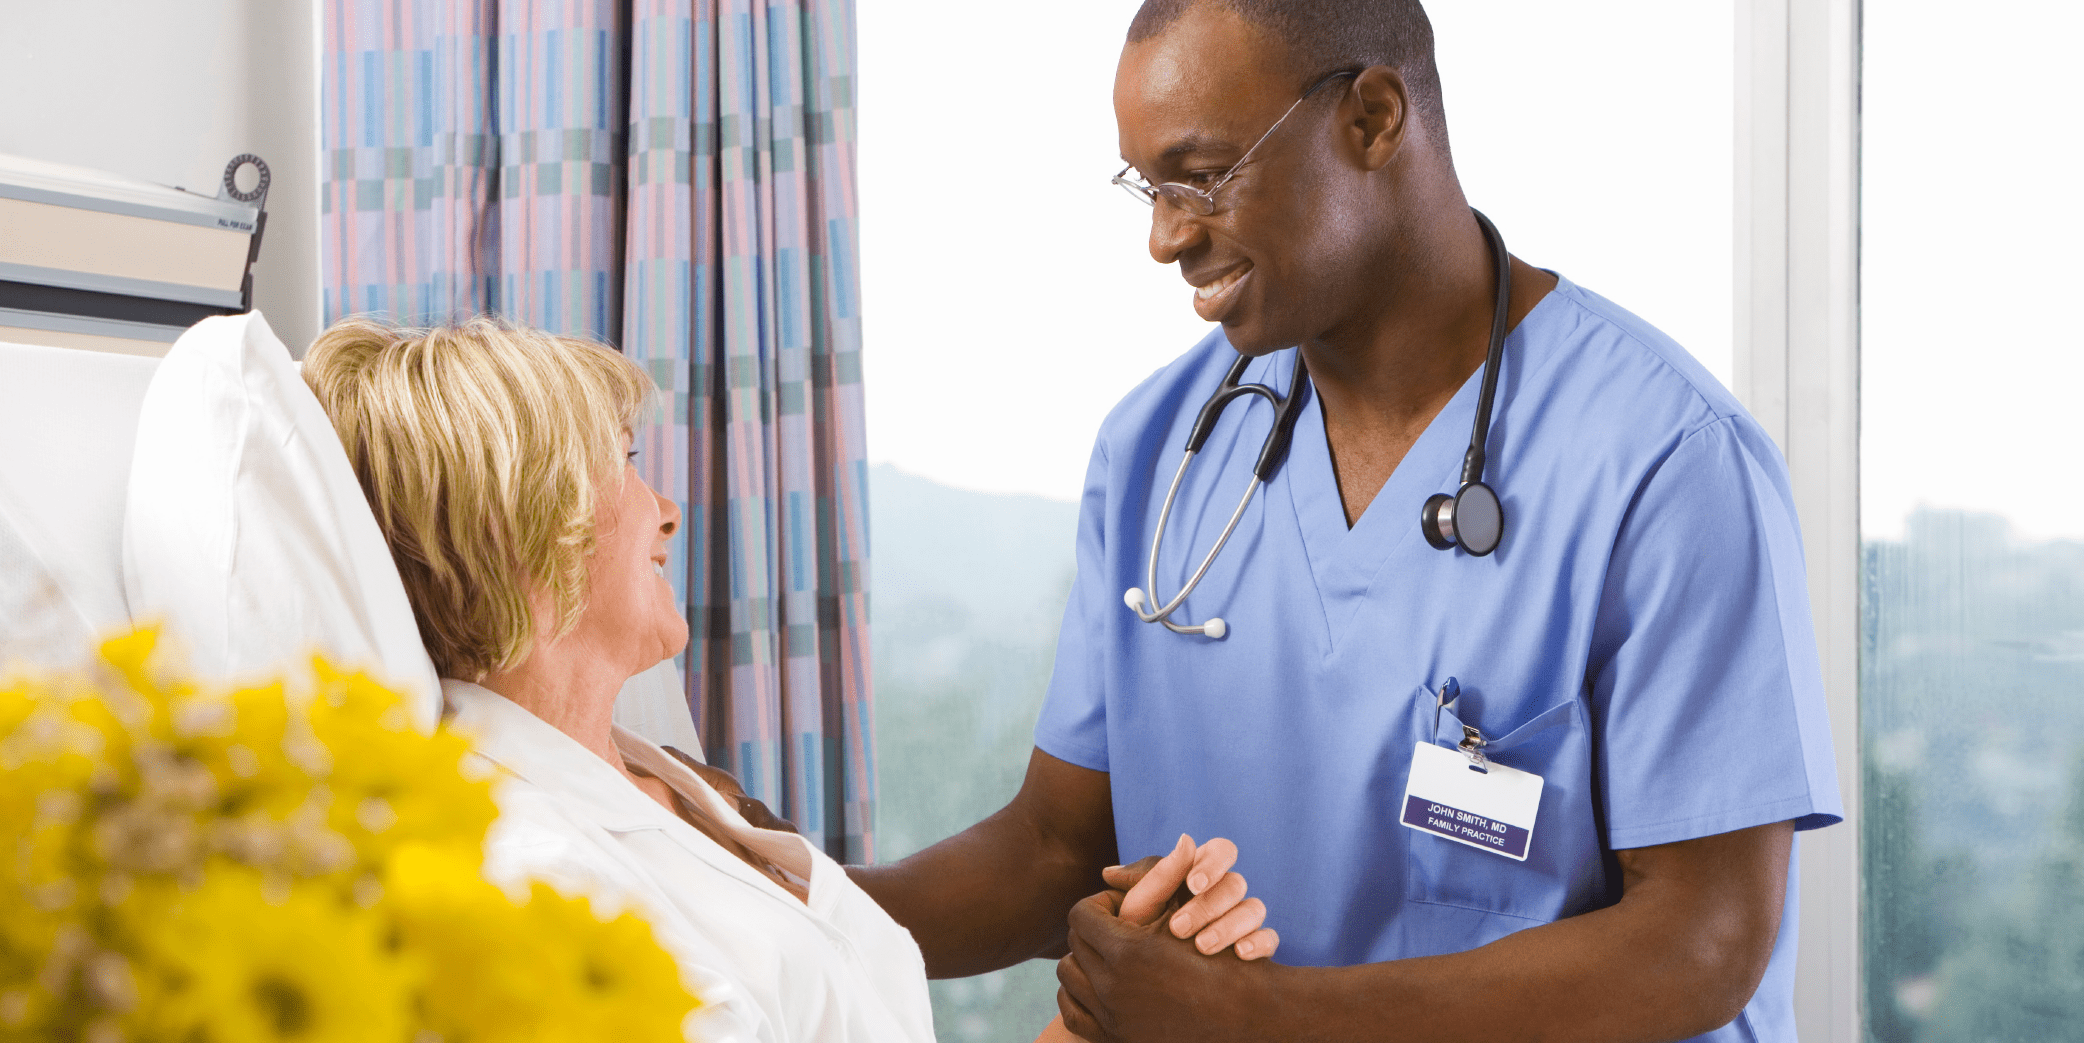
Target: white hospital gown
x: 771, y: 968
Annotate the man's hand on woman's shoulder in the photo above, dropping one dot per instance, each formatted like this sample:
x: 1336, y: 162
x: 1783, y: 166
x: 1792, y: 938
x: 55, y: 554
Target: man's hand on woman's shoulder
x: 755, y: 813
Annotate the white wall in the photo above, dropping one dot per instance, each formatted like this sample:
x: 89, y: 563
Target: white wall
x: 169, y: 92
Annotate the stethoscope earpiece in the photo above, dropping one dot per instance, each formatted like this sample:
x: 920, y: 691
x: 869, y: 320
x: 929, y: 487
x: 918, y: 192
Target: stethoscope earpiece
x: 1286, y: 409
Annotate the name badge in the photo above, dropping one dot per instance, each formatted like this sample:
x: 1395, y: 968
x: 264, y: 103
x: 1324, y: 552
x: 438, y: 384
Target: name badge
x: 1492, y: 809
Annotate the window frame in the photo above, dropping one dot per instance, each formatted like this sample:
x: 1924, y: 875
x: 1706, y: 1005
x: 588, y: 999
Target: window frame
x: 1796, y: 367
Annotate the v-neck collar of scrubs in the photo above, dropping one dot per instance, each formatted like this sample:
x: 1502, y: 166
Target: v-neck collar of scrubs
x: 1344, y: 562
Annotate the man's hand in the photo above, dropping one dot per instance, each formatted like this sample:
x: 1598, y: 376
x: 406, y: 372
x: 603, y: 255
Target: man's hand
x: 1212, y: 909
x: 1125, y: 980
x: 1190, y: 893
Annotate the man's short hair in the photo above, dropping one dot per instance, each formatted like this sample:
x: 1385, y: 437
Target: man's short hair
x: 479, y: 446
x: 1325, y: 36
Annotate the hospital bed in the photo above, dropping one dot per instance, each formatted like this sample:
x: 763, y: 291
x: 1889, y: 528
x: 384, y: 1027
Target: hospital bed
x: 69, y: 422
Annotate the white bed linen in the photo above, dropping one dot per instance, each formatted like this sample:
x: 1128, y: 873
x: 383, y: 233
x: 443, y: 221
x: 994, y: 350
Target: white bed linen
x: 836, y: 969
x: 68, y: 419
x: 39, y: 626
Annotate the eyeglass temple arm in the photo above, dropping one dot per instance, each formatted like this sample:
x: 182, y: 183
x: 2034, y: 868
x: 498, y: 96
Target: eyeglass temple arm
x: 1239, y: 165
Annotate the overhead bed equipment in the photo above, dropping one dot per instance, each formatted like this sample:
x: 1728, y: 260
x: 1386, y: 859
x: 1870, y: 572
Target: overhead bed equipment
x: 108, y: 263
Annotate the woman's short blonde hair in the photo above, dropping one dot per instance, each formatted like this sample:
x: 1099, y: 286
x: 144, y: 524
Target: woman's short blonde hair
x: 478, y: 446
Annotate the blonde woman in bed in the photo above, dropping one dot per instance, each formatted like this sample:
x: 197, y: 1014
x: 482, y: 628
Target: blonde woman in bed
x: 498, y: 462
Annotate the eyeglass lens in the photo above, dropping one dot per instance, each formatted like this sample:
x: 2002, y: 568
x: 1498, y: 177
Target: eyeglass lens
x: 1187, y: 198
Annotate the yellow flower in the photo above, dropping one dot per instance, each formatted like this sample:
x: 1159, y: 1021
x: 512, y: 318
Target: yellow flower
x: 547, y: 971
x: 392, y: 785
x: 186, y: 863
x: 135, y: 657
x: 225, y: 963
x: 611, y: 978
x: 240, y: 737
x: 482, y: 982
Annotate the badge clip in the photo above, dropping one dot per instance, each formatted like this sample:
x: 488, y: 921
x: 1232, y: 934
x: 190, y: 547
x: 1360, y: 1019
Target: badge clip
x: 1472, y: 745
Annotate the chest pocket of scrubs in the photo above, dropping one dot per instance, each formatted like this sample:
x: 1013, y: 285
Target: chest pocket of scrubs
x: 1563, y: 874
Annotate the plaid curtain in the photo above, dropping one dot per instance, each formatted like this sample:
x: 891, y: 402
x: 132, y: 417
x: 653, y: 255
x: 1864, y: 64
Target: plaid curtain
x: 675, y: 177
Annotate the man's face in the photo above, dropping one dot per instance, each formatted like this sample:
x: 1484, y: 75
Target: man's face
x: 1189, y: 103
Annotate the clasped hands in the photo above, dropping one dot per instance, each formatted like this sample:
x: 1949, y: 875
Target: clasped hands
x: 1158, y: 955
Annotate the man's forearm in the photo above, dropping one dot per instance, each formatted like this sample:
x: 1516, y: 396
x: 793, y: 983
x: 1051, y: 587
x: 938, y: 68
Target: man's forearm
x: 1679, y: 955
x: 1604, y: 976
x: 1667, y: 962
x: 986, y: 898
x: 996, y: 893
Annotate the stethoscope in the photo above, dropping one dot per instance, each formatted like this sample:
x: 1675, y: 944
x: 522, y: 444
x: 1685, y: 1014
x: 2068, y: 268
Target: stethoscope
x: 1471, y: 519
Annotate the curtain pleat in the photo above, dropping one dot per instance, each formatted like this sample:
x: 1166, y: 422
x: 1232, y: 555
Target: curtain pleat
x: 411, y: 159
x: 675, y: 177
x: 562, y: 100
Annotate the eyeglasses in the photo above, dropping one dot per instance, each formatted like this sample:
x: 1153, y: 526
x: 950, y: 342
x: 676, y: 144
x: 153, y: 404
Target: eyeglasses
x: 1203, y: 202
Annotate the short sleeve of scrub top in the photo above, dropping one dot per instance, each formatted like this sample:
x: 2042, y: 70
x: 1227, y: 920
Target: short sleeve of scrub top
x: 1708, y: 710
x: 1641, y: 639
x: 1074, y: 725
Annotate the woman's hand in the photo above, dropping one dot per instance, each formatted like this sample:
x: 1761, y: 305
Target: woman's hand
x: 1055, y: 1032
x: 1205, y: 899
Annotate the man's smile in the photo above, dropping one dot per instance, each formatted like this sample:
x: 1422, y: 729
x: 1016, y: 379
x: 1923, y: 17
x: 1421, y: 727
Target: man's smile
x: 1214, y: 296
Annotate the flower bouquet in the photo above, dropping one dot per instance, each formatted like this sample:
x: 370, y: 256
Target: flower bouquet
x: 197, y: 865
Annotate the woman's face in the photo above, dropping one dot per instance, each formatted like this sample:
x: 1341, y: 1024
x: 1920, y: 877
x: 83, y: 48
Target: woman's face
x: 630, y: 609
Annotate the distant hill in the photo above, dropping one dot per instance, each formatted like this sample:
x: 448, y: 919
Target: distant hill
x: 966, y: 590
x: 989, y: 553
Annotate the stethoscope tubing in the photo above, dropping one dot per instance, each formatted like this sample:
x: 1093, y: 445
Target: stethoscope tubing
x: 1164, y: 615
x: 1442, y: 516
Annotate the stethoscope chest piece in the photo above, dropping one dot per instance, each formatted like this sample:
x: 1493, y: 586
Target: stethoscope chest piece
x: 1471, y: 519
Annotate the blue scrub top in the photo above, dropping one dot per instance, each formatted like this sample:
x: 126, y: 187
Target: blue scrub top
x: 1641, y: 639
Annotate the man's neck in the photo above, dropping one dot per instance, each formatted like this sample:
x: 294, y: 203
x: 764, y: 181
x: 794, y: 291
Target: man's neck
x: 1384, y: 377
x: 1398, y: 360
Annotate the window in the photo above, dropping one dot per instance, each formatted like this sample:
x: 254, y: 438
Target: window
x: 1972, y: 518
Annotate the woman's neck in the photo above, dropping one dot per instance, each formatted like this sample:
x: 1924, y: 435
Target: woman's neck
x: 571, y: 689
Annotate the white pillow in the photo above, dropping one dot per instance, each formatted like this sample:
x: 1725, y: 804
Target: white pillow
x: 654, y: 705
x: 245, y: 529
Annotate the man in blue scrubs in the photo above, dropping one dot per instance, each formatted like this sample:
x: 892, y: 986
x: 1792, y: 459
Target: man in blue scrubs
x: 1640, y: 639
